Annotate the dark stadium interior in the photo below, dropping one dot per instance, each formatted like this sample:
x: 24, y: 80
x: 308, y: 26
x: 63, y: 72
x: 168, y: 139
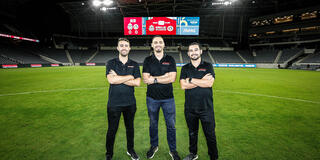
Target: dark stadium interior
x: 283, y: 34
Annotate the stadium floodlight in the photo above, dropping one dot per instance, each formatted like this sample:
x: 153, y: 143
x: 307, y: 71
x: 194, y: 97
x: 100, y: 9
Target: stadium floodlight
x: 103, y: 9
x: 227, y: 3
x: 223, y: 2
x: 107, y: 2
x: 96, y: 3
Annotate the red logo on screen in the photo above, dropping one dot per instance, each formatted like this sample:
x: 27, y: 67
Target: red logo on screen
x: 161, y: 26
x: 132, y: 25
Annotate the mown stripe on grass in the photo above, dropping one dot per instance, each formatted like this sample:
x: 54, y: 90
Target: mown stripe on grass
x: 231, y: 92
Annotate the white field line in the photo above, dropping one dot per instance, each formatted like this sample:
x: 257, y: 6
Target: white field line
x: 100, y: 88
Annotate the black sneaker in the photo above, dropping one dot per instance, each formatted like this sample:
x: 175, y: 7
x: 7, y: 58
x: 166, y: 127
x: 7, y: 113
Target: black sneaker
x: 133, y: 155
x: 213, y: 158
x: 174, y: 155
x: 191, y: 156
x: 152, y: 151
x: 108, y: 157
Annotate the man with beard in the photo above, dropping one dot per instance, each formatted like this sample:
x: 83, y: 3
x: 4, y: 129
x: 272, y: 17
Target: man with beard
x: 196, y: 79
x: 159, y: 72
x: 123, y: 75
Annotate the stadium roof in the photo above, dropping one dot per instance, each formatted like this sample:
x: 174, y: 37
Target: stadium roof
x: 81, y: 18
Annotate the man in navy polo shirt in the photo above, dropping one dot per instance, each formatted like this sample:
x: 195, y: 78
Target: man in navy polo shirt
x: 197, y: 78
x: 159, y: 72
x: 123, y: 75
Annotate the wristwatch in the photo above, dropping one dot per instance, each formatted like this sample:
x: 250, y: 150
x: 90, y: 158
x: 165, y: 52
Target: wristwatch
x: 190, y: 80
x: 155, y: 81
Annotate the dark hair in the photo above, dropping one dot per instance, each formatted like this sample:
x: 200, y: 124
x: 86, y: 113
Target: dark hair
x: 123, y: 39
x: 195, y: 43
x: 157, y: 36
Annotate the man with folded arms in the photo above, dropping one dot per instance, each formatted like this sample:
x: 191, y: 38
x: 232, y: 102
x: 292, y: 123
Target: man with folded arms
x: 159, y: 72
x: 196, y: 79
x: 123, y: 75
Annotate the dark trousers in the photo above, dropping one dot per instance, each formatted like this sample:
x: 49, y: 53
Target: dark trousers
x: 208, y: 126
x: 169, y: 112
x: 114, y: 114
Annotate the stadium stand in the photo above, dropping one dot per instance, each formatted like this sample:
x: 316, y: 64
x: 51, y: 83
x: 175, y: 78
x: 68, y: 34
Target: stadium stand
x: 21, y: 55
x: 104, y: 56
x: 226, y: 57
x: 139, y: 56
x: 4, y: 60
x: 265, y: 56
x: 138, y: 42
x: 205, y: 56
x: 287, y: 54
x: 314, y: 58
x: 56, y: 54
x: 81, y: 56
x: 247, y: 56
x: 185, y: 57
x: 175, y: 55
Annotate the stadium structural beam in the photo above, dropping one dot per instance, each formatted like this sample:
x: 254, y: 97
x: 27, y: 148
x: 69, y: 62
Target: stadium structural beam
x: 121, y: 11
x: 282, y: 43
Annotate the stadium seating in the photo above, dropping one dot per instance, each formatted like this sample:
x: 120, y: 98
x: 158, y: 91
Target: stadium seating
x: 139, y: 56
x: 287, y: 54
x: 175, y: 55
x: 56, y: 54
x: 4, y: 60
x: 185, y: 57
x: 81, y: 56
x: 205, y: 56
x: 265, y: 56
x: 226, y: 57
x: 247, y: 55
x: 21, y: 54
x: 315, y: 58
x: 24, y: 54
x: 104, y: 56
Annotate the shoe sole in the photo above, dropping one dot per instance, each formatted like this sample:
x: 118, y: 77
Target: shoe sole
x: 195, y: 158
x: 153, y: 154
x: 131, y: 156
x: 172, y: 156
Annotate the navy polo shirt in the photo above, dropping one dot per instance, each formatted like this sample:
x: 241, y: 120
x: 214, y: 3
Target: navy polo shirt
x: 121, y: 94
x: 198, y: 99
x: 158, y: 68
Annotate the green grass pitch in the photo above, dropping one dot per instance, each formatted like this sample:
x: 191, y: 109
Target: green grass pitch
x: 60, y: 114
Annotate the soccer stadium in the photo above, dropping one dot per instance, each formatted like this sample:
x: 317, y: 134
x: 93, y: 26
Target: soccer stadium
x: 54, y: 91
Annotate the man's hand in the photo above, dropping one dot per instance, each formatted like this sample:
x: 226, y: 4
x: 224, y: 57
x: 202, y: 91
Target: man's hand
x: 166, y: 75
x: 207, y: 76
x: 188, y: 80
x: 112, y: 72
x: 114, y: 78
x: 149, y: 80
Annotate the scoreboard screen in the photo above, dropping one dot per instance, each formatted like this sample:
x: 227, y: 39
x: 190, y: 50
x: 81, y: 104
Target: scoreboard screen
x: 161, y: 25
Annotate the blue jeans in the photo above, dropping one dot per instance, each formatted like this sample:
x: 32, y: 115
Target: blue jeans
x: 169, y: 112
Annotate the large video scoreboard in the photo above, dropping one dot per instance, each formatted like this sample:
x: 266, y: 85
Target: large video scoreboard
x: 161, y: 25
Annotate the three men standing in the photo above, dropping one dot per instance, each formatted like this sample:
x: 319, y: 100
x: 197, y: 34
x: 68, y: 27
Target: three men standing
x: 159, y: 72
